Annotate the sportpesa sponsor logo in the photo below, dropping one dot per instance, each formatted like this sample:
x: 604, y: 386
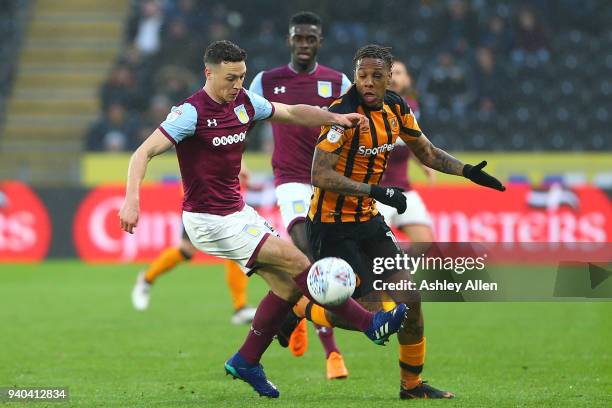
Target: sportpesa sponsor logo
x: 231, y: 139
x: 367, y: 151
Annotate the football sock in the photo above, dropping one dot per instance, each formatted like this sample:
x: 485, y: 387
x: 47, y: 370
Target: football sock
x: 270, y: 314
x: 165, y: 261
x: 387, y: 303
x: 300, y: 307
x: 350, y: 311
x: 316, y: 314
x: 412, y: 358
x: 237, y: 284
x: 326, y: 336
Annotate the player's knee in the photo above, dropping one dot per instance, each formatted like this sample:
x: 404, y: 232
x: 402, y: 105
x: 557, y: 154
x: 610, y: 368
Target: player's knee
x: 295, y: 261
x: 290, y: 293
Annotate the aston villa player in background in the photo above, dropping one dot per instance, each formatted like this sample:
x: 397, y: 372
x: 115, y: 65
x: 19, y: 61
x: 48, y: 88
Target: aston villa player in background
x: 302, y: 80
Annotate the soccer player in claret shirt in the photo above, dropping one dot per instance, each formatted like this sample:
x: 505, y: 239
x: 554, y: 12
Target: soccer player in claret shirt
x: 343, y: 220
x: 209, y: 131
x: 302, y: 80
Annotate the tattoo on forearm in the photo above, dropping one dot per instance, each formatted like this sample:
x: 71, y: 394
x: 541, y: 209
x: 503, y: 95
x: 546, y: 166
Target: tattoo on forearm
x: 445, y: 163
x: 436, y: 158
x: 326, y: 177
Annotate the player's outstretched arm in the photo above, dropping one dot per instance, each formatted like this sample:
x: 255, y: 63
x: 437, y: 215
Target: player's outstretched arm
x: 155, y: 144
x: 438, y: 159
x: 311, y: 116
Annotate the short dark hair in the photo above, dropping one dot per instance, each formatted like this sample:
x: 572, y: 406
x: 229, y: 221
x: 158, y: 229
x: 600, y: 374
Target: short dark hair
x: 375, y: 51
x: 220, y: 51
x: 305, y: 17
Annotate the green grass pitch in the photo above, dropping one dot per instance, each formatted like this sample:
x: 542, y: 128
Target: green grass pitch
x: 71, y: 324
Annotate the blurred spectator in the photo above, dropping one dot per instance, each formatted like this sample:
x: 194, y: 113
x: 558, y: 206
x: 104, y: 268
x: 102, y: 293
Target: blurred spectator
x: 159, y: 109
x: 156, y: 114
x: 532, y: 46
x: 180, y: 48
x: 120, y: 88
x: 489, y: 78
x: 176, y: 83
x: 497, y: 36
x: 461, y: 25
x: 114, y: 132
x: 144, y: 28
x: 193, y: 14
x: 446, y: 85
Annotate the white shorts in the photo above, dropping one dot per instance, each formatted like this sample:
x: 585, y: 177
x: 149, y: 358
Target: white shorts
x: 237, y: 236
x: 415, y: 214
x: 293, y: 200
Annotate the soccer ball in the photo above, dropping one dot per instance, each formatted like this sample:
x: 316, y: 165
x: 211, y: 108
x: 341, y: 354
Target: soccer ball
x: 331, y: 281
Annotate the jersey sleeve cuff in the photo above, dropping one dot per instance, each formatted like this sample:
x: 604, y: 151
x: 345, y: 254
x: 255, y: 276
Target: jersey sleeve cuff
x: 161, y: 129
x: 271, y: 112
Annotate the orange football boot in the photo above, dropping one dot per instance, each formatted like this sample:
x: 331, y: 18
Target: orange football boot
x: 298, y: 342
x: 336, y: 370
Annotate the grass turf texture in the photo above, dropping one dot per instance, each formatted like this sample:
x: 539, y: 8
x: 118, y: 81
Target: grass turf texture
x: 71, y: 324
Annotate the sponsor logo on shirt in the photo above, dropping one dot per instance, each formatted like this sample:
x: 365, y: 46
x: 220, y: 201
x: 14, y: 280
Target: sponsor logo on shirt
x: 367, y: 151
x: 228, y: 140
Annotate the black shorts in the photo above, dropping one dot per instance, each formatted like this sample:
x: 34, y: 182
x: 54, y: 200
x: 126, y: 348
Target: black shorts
x: 358, y: 243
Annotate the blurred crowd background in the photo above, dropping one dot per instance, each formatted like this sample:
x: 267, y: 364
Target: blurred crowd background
x: 489, y: 75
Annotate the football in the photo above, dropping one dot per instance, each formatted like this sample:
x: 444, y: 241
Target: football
x: 331, y: 281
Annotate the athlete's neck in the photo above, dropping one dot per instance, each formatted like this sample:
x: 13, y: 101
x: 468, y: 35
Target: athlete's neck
x: 298, y: 68
x: 209, y: 91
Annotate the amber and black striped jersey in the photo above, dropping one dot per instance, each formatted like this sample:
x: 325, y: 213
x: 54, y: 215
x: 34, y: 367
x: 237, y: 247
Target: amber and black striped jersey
x: 363, y: 154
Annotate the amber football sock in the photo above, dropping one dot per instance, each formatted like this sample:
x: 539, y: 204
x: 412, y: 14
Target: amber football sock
x: 237, y: 283
x: 165, y: 261
x: 316, y: 314
x: 387, y: 303
x: 411, y: 360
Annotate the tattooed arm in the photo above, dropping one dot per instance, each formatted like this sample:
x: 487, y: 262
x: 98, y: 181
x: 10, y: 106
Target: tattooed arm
x: 325, y: 176
x: 439, y: 160
x: 433, y: 157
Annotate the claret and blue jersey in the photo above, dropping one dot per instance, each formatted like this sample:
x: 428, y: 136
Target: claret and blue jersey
x: 209, y: 139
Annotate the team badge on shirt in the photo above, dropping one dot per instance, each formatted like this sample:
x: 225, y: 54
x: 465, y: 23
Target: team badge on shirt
x: 334, y: 134
x: 242, y: 114
x: 324, y: 88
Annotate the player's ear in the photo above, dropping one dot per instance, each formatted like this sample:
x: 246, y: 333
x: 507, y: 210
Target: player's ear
x: 207, y: 72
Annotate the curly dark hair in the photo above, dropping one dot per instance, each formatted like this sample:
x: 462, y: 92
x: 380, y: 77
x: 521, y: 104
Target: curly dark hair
x: 220, y: 51
x: 374, y: 51
x: 305, y: 17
